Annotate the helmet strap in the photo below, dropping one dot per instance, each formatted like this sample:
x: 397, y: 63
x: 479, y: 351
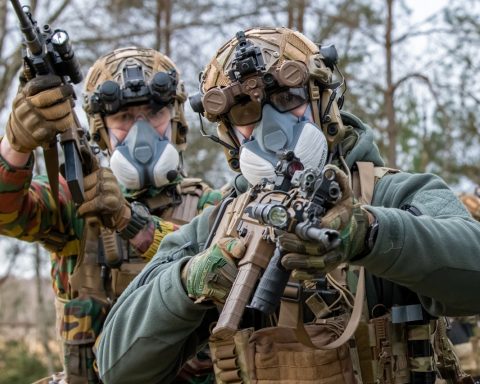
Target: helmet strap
x: 100, y: 129
x: 314, y: 100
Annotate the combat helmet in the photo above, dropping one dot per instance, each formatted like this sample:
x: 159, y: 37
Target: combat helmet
x: 257, y: 61
x: 129, y: 76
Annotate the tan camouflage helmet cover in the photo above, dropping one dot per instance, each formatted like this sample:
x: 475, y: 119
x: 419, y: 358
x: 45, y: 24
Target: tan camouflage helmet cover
x: 110, y: 66
x: 276, y: 45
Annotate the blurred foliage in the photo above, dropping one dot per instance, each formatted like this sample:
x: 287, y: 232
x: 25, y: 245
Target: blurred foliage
x: 18, y: 365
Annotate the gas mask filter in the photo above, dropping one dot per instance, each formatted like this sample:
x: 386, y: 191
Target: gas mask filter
x: 144, y: 158
x: 278, y: 132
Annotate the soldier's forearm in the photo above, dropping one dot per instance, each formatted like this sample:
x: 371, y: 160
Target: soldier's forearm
x: 11, y: 156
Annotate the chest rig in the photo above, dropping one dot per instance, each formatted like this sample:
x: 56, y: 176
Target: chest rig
x: 323, y: 334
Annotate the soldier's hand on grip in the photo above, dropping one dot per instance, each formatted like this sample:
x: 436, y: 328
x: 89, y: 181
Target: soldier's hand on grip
x: 41, y: 109
x: 309, y: 259
x: 104, y: 199
x: 210, y: 274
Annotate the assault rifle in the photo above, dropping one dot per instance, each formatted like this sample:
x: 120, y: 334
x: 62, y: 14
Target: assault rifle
x: 49, y: 52
x: 295, y: 202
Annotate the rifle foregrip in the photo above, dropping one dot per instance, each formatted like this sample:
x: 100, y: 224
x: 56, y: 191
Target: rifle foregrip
x: 271, y: 286
x: 237, y: 299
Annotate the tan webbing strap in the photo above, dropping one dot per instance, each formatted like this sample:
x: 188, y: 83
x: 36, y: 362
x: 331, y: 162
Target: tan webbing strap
x: 366, y: 174
x: 382, y: 171
x: 291, y: 316
x: 50, y: 155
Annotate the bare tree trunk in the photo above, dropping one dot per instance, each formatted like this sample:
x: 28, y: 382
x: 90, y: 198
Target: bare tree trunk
x: 290, y: 8
x: 296, y: 14
x: 163, y: 26
x: 390, y: 89
x: 11, y: 255
x: 158, y: 25
x: 301, y: 14
x: 168, y: 25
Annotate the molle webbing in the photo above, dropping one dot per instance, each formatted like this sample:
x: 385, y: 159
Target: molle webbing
x: 388, y: 348
x: 86, y: 277
x: 123, y: 276
x: 447, y: 361
x: 230, y: 360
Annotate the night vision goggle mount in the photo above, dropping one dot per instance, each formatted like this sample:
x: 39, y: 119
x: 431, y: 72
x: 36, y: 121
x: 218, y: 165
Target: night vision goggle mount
x: 248, y: 59
x: 110, y: 96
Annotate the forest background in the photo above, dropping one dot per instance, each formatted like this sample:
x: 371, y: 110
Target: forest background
x: 411, y: 68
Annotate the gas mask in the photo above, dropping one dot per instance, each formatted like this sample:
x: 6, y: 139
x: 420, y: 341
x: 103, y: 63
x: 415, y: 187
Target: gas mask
x: 144, y: 158
x: 275, y: 133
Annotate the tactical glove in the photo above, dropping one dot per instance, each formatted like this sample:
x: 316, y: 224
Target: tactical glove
x: 210, y: 274
x: 308, y: 259
x: 41, y: 109
x: 104, y: 199
x: 472, y: 202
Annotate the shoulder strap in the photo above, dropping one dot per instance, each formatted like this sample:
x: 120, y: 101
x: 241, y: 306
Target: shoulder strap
x: 365, y: 178
x: 291, y: 316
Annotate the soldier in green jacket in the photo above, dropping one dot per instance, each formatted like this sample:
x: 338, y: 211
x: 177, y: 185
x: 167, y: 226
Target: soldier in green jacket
x: 270, y: 90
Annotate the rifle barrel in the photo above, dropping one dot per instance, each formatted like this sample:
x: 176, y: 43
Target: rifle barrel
x: 31, y: 38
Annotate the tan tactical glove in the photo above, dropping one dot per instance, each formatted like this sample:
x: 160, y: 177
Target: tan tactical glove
x: 308, y: 259
x: 210, y: 274
x: 472, y: 202
x: 41, y: 109
x: 104, y: 199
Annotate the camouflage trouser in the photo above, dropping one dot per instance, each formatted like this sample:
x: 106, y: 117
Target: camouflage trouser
x: 81, y: 325
x: 59, y: 309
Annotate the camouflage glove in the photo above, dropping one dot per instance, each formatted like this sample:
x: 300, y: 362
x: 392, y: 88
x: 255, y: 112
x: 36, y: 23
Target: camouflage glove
x: 104, y: 199
x: 41, y: 109
x: 210, y: 274
x: 309, y: 259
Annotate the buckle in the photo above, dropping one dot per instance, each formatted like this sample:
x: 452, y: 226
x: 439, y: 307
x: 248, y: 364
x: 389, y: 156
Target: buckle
x: 293, y: 292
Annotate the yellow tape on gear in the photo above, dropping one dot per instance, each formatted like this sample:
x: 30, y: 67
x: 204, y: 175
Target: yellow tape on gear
x: 152, y: 249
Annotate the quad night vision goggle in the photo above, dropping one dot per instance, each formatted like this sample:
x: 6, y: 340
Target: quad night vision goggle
x: 110, y: 96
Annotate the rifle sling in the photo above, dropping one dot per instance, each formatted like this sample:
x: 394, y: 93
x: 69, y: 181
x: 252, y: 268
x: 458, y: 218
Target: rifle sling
x: 51, y: 163
x: 291, y: 316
